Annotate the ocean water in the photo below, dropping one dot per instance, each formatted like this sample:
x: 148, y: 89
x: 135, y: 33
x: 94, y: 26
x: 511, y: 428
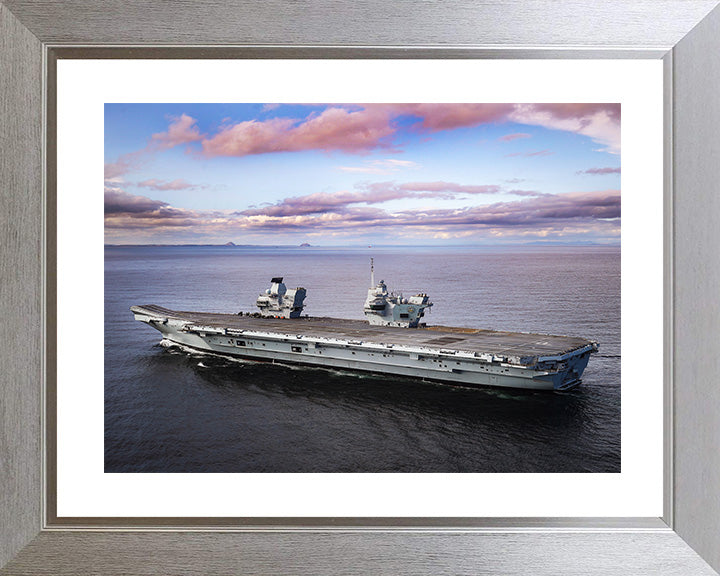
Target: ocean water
x: 170, y: 411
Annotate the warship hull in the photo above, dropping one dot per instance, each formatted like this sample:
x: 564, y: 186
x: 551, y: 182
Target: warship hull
x: 457, y: 356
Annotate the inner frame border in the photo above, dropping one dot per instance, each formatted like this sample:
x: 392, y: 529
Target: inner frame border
x: 54, y: 52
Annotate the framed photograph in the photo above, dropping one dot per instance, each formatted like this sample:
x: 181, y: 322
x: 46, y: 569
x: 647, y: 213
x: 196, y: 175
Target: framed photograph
x: 358, y: 202
x: 482, y: 183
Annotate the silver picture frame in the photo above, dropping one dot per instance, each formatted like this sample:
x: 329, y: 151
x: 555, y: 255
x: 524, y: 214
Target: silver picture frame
x: 685, y: 34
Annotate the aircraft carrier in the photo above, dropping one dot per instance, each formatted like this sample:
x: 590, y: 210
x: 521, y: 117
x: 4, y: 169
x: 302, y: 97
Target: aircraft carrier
x: 392, y: 341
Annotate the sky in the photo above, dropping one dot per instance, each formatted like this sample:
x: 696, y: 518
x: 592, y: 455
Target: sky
x: 362, y: 174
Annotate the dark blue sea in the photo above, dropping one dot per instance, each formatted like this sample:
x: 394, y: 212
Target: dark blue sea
x: 170, y: 411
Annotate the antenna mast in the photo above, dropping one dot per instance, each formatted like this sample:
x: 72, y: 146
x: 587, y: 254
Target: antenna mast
x: 372, y: 274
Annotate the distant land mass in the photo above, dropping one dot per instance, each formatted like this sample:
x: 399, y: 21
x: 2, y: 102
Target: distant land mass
x: 229, y: 245
x: 306, y: 245
x: 576, y: 243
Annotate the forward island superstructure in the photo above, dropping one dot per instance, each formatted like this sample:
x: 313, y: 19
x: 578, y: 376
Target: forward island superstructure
x: 392, y: 341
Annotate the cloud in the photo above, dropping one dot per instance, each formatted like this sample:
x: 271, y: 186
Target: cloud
x: 361, y: 129
x: 376, y: 193
x: 117, y: 201
x: 528, y: 193
x: 437, y: 117
x: 181, y: 130
x: 531, y: 153
x: 323, y: 202
x: 600, y: 171
x: 448, y: 188
x: 600, y: 122
x: 572, y: 111
x: 515, y: 136
x: 580, y: 214
x: 128, y: 212
x: 380, y: 166
x: 579, y: 205
x: 586, y: 211
x: 114, y: 171
x: 350, y: 131
x: 178, y: 184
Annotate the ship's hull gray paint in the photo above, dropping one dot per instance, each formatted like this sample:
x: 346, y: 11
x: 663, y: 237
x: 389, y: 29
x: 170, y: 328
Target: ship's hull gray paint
x: 509, y: 29
x: 442, y: 365
x: 357, y: 359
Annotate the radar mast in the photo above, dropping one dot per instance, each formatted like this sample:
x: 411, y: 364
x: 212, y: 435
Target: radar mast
x: 384, y: 308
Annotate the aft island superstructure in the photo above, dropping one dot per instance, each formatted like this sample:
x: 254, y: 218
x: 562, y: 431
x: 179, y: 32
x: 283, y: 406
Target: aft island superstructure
x: 392, y: 341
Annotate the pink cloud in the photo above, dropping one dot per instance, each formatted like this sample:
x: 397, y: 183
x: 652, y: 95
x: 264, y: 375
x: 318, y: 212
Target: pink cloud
x: 600, y: 171
x: 182, y: 130
x: 370, y: 127
x: 531, y: 153
x: 436, y: 117
x: 582, y: 213
x: 555, y: 210
x: 385, y: 166
x: 155, y: 184
x: 600, y: 122
x: 451, y: 188
x: 575, y: 110
x: 322, y: 202
x: 318, y: 203
x: 351, y: 131
x: 515, y: 136
x: 376, y: 193
x: 115, y: 169
x: 125, y: 211
x: 125, y: 163
x: 359, y: 129
x: 535, y: 193
x: 118, y: 201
